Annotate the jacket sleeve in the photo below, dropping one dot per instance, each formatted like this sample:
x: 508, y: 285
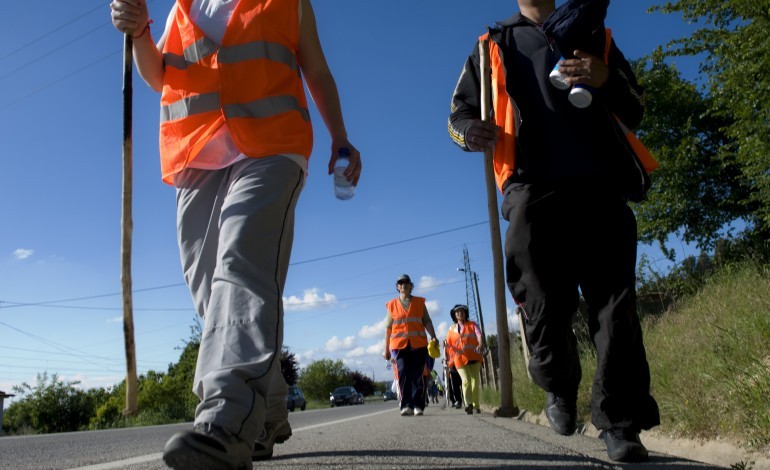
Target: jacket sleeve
x: 622, y: 93
x: 465, y: 106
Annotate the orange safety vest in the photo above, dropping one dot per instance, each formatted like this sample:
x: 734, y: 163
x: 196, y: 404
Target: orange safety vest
x: 464, y: 345
x: 407, y: 326
x: 505, y: 117
x: 251, y: 84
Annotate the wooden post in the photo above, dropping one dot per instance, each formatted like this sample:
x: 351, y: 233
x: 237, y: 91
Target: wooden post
x: 507, y: 409
x: 127, y: 226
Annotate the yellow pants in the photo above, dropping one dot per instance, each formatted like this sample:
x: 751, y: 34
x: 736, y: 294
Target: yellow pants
x: 471, y: 377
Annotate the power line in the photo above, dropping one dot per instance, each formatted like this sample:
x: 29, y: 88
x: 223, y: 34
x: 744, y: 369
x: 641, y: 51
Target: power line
x: 4, y: 304
x: 58, y: 28
x: 39, y: 58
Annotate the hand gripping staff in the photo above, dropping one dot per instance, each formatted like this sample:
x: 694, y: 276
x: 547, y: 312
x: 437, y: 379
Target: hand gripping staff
x: 507, y: 409
x: 127, y: 226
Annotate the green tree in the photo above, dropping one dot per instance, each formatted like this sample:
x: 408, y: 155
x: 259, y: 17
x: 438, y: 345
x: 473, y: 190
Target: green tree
x: 320, y: 377
x: 715, y: 147
x: 52, y: 405
x: 289, y: 366
x: 362, y: 383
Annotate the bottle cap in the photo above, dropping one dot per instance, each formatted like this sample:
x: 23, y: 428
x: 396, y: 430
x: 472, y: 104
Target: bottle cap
x: 580, y: 97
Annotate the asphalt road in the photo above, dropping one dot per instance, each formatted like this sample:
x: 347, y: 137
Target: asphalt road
x: 369, y: 436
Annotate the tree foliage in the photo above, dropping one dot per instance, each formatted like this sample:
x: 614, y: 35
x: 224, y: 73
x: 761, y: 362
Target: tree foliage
x: 362, y: 383
x: 713, y: 144
x: 320, y: 377
x: 289, y: 366
x: 52, y: 405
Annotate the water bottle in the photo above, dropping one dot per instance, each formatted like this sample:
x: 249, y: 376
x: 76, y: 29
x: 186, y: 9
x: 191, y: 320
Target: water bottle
x: 580, y: 96
x: 557, y: 78
x: 343, y: 188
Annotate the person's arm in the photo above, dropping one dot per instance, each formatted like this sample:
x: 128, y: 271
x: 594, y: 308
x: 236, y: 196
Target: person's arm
x: 428, y: 324
x: 323, y: 90
x: 466, y: 128
x: 132, y: 16
x: 479, y: 337
x: 388, y: 328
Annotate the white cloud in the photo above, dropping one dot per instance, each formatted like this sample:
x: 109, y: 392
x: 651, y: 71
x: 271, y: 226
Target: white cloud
x: 434, y: 308
x: 23, y: 253
x: 115, y: 320
x: 356, y: 352
x: 370, y: 331
x: 513, y: 320
x: 310, y: 299
x: 376, y: 348
x: 336, y: 344
x: 441, y: 330
x: 429, y: 282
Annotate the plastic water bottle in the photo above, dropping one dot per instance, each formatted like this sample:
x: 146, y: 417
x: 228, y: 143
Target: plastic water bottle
x: 557, y: 78
x: 343, y: 188
x: 580, y: 96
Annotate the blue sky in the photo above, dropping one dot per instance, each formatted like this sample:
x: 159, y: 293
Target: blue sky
x: 419, y: 202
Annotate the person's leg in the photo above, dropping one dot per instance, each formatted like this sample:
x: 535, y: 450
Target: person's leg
x: 541, y: 275
x: 474, y: 376
x: 243, y: 334
x: 457, y: 386
x: 621, y: 388
x: 465, y: 377
x: 404, y: 387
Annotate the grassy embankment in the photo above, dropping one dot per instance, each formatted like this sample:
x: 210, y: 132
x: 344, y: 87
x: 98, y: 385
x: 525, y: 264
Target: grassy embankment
x: 709, y: 359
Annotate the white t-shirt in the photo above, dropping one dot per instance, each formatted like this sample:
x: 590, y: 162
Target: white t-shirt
x: 212, y: 17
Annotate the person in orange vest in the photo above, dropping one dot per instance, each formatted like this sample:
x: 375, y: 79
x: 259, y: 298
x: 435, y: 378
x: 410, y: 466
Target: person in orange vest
x: 467, y: 343
x: 235, y: 140
x: 566, y: 175
x: 406, y: 324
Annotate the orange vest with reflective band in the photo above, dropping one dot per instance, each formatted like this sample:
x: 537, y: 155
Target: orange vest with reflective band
x: 464, y: 344
x: 505, y: 117
x: 251, y: 84
x: 407, y: 326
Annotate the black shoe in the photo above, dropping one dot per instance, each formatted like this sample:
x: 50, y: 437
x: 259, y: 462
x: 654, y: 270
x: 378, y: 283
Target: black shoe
x: 623, y: 445
x: 469, y: 409
x: 562, y: 414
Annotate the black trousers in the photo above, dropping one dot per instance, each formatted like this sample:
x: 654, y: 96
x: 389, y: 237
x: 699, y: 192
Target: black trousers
x: 559, y: 241
x: 410, y: 364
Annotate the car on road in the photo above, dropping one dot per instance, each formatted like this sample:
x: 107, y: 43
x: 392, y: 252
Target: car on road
x: 345, y: 396
x: 388, y: 395
x: 295, y: 399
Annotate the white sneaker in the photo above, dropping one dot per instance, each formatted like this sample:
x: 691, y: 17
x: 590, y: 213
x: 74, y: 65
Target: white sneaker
x: 418, y: 411
x: 406, y: 411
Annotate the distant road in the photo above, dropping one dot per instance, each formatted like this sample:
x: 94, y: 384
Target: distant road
x: 369, y: 436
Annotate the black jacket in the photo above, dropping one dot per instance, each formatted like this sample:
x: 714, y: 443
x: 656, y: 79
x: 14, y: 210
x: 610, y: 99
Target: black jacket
x: 556, y: 142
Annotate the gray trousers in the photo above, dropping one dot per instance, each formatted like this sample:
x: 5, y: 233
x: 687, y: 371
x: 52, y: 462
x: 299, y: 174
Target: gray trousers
x: 235, y: 228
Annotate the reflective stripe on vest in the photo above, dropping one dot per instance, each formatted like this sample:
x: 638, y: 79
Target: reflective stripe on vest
x: 407, y: 327
x: 505, y: 117
x: 251, y: 84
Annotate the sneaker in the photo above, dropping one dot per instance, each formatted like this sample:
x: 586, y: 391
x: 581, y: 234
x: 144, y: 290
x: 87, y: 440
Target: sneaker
x: 469, y: 409
x: 274, y: 433
x: 418, y: 412
x: 406, y: 411
x: 623, y: 445
x: 561, y: 413
x: 207, y: 447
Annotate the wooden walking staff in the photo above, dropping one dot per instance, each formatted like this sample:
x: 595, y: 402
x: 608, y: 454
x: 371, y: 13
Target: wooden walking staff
x: 507, y: 409
x: 127, y: 226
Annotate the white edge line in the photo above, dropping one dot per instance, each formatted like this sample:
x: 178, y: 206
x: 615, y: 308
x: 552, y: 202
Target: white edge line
x: 159, y: 455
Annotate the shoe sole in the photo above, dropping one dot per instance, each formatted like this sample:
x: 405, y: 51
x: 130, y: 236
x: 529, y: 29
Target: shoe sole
x: 265, y: 454
x: 185, y: 452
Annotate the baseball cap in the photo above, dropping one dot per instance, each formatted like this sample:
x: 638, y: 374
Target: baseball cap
x: 404, y: 278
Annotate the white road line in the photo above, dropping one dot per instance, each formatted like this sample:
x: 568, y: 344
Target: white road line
x: 158, y: 456
x: 124, y: 463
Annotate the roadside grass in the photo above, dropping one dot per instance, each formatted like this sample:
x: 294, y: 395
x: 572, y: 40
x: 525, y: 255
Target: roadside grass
x: 709, y: 360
